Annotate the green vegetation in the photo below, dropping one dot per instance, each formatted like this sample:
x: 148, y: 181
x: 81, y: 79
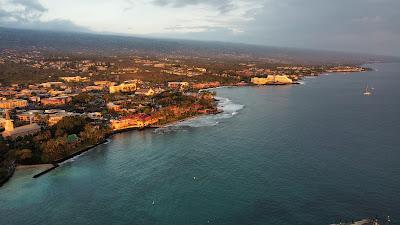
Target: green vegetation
x: 68, y: 136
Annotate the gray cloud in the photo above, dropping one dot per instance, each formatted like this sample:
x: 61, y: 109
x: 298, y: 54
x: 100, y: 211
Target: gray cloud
x: 351, y: 25
x: 30, y: 5
x: 223, y: 6
x: 370, y: 26
x: 20, y: 10
x: 27, y: 13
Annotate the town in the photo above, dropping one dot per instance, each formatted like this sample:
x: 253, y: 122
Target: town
x: 54, y: 106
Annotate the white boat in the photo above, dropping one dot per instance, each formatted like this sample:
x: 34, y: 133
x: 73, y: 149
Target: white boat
x: 367, y: 92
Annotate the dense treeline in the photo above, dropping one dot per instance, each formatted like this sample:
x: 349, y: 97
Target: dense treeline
x: 68, y: 136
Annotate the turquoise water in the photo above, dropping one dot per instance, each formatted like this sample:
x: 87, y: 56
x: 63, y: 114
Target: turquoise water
x: 305, y: 154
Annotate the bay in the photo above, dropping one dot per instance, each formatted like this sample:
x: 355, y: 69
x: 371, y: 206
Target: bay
x: 313, y: 153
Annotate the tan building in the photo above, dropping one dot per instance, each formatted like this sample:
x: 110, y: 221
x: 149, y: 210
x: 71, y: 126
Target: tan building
x: 93, y: 88
x: 31, y: 116
x: 62, y: 100
x: 52, y: 84
x: 103, y: 83
x: 22, y: 131
x: 147, y: 92
x: 75, y: 79
x: 113, y: 107
x: 206, y: 85
x: 13, y: 103
x: 127, y: 86
x: 57, y: 117
x: 178, y: 85
x: 272, y: 80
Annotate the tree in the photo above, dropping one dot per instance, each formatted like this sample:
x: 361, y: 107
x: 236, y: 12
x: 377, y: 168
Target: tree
x: 23, y: 154
x: 54, y: 149
x: 71, y: 124
x: 91, y: 134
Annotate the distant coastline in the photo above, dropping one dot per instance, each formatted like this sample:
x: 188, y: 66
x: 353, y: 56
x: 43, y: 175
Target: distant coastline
x: 50, y: 167
x: 189, y: 112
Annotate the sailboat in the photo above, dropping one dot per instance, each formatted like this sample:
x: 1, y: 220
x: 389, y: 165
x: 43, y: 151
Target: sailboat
x: 367, y: 92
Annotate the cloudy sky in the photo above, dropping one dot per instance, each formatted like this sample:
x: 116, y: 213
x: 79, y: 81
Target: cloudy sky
x: 371, y: 26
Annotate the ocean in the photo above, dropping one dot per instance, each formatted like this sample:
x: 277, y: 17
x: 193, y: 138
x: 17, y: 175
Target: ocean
x: 315, y: 153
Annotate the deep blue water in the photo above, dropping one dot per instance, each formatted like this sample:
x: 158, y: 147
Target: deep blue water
x: 305, y: 154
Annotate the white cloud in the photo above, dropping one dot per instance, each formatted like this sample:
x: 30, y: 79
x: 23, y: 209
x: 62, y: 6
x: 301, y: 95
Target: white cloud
x: 155, y: 16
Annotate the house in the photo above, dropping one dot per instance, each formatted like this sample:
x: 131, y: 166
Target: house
x: 61, y: 100
x: 31, y: 116
x: 113, y: 107
x: 103, y: 83
x: 57, y: 117
x: 51, y: 84
x: 92, y: 88
x: 178, y: 85
x: 75, y: 79
x: 146, y: 92
x: 95, y: 115
x: 13, y: 103
x: 206, y: 85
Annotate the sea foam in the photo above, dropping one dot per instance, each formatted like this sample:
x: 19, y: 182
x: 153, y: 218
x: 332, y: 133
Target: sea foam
x: 228, y: 108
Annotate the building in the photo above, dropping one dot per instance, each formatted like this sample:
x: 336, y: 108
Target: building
x: 127, y: 86
x: 56, y: 101
x: 206, y: 85
x: 146, y: 92
x: 271, y: 80
x: 54, y: 111
x: 13, y: 103
x: 113, y: 107
x: 52, y: 84
x: 103, y: 83
x: 34, y: 99
x: 159, y: 65
x: 31, y: 116
x: 16, y: 132
x: 75, y: 79
x: 57, y: 117
x: 95, y: 115
x: 92, y: 88
x: 178, y: 85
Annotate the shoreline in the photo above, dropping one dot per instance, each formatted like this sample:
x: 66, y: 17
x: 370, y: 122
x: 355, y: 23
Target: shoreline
x: 33, y: 166
x: 56, y: 163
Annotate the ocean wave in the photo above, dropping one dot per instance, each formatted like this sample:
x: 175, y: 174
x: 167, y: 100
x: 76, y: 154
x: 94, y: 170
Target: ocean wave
x: 71, y: 160
x: 228, y: 108
x: 301, y: 82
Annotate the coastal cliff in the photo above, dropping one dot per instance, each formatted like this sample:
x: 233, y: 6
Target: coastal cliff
x: 7, y: 167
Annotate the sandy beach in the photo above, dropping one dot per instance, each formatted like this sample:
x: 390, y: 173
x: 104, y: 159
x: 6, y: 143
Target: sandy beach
x: 37, y: 166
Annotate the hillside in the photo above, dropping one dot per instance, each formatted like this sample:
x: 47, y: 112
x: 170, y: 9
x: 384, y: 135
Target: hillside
x: 123, y: 45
